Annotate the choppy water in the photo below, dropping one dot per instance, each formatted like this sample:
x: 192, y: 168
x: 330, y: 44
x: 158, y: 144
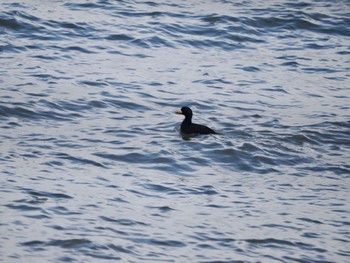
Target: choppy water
x: 92, y: 165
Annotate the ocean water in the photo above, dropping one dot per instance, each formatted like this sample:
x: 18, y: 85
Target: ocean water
x: 93, y: 167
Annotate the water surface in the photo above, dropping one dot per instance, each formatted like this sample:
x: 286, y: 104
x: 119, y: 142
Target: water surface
x: 93, y: 167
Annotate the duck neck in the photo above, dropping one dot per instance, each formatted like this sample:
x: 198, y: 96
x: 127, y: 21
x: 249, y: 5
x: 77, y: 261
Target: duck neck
x: 188, y: 119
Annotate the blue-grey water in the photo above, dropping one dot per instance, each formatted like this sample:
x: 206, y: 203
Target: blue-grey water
x: 93, y: 167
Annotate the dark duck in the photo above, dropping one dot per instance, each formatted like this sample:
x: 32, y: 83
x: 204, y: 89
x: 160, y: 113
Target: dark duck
x: 187, y: 127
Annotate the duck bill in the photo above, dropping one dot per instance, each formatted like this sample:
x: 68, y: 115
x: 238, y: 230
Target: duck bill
x: 179, y: 111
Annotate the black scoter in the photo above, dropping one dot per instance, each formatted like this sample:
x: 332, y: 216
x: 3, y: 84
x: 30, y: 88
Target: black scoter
x: 187, y: 127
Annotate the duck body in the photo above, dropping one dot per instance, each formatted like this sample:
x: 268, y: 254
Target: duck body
x: 193, y: 128
x: 187, y: 127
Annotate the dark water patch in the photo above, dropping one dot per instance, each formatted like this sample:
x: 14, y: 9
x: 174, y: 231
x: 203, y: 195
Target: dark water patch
x: 270, y: 241
x: 115, y: 231
x: 33, y: 243
x: 9, y: 23
x: 280, y: 226
x: 217, y: 44
x: 129, y: 158
x: 245, y: 38
x: 311, y: 235
x: 300, y: 139
x: 66, y: 30
x: 57, y: 227
x: 334, y: 137
x: 103, y: 256
x: 153, y: 14
x: 272, y: 24
x: 276, y: 89
x: 216, y: 237
x: 38, y: 217
x: 292, y: 64
x: 152, y: 42
x: 120, y: 249
x: 308, y: 220
x: 119, y: 200
x: 61, y: 210
x: 291, y: 58
x: 148, y: 161
x: 12, y: 48
x: 11, y: 125
x: 89, y: 6
x: 65, y: 243
x: 247, y: 159
x: 19, y: 21
x: 41, y: 95
x: 289, y: 22
x: 24, y: 15
x: 124, y: 104
x: 264, y: 160
x: 251, y: 69
x: 49, y: 195
x: 319, y: 70
x: 26, y: 26
x: 179, y: 169
x: 144, y: 194
x: 54, y: 163
x: 120, y: 132
x: 66, y: 259
x: 26, y: 113
x: 343, y: 52
x: 327, y: 168
x: 80, y: 105
x: 219, y: 19
x: 46, y: 57
x: 119, y: 37
x: 93, y: 83
x: 79, y: 49
x: 305, y: 259
x: 159, y: 242
x: 177, y: 30
x: 45, y: 77
x: 207, y: 32
x: 203, y: 190
x: 23, y: 207
x: 317, y: 46
x: 218, y: 206
x: 123, y: 222
x: 78, y: 160
x: 298, y: 5
x: 345, y: 124
x: 33, y: 201
x: 15, y: 112
x: 97, y: 104
x: 161, y: 189
x: 50, y: 104
x: 134, y: 55
x: 163, y: 209
x: 250, y: 147
x: 213, y: 81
